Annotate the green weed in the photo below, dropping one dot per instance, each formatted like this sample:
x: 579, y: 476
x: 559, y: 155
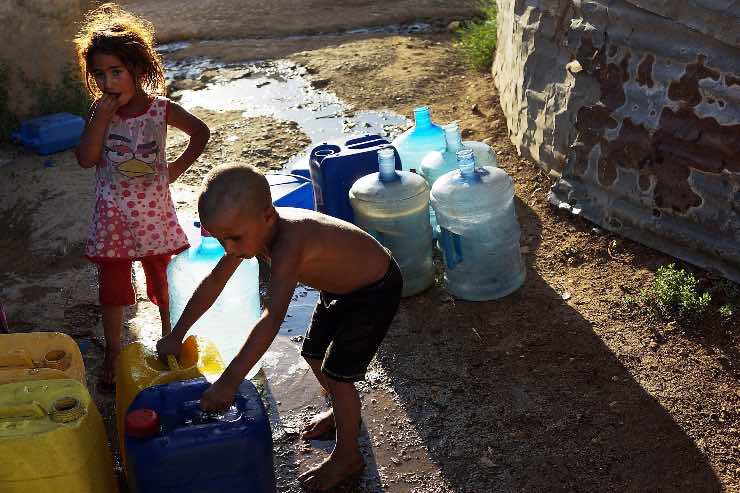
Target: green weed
x: 726, y: 310
x: 478, y: 39
x: 674, y: 293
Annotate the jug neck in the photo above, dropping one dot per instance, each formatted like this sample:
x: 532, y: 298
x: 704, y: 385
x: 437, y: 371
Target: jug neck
x: 422, y: 118
x: 466, y: 162
x: 387, y: 164
x: 453, y: 137
x: 207, y: 242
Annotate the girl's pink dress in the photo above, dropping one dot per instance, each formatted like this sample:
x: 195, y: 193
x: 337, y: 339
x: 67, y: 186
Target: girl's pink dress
x: 134, y: 215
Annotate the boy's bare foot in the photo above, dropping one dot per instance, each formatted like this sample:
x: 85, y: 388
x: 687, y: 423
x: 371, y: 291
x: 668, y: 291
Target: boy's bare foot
x: 321, y: 427
x: 337, y: 469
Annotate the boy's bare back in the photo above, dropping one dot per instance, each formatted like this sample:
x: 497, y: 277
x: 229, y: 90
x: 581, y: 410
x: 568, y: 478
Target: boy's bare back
x: 326, y: 253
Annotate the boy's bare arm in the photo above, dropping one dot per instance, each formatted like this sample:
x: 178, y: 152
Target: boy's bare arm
x: 201, y: 300
x: 283, y: 279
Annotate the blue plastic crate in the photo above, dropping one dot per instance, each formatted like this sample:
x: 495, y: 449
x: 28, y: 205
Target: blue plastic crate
x: 290, y: 190
x: 195, y: 451
x: 301, y: 167
x: 336, y: 166
x: 51, y: 133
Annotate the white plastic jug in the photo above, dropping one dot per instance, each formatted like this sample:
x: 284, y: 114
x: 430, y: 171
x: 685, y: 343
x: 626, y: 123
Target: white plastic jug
x: 393, y: 206
x: 228, y: 322
x: 479, y: 232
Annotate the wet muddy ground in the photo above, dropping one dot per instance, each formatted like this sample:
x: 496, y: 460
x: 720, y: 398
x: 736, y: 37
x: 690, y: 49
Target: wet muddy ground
x: 564, y: 385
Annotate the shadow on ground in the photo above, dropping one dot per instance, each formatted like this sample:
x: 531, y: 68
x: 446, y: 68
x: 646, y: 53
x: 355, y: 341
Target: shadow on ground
x: 520, y: 394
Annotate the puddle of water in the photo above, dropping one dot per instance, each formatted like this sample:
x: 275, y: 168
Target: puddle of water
x: 280, y: 91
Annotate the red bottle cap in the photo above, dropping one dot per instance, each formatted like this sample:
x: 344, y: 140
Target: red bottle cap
x: 142, y: 423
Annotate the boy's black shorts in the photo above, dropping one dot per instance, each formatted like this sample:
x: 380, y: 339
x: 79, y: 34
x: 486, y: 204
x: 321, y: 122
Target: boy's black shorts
x: 346, y: 330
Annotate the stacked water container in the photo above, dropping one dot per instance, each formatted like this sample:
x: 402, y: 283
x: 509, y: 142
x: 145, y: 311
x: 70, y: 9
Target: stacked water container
x: 228, y: 321
x: 168, y: 444
x: 52, y: 437
x: 424, y: 137
x: 479, y: 232
x: 171, y: 445
x: 393, y: 206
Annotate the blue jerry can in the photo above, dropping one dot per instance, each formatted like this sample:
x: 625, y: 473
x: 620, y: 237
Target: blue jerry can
x: 173, y: 446
x: 290, y: 190
x: 51, y: 133
x: 336, y: 166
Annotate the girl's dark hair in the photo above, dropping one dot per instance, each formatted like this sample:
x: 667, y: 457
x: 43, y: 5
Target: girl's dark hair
x: 110, y: 30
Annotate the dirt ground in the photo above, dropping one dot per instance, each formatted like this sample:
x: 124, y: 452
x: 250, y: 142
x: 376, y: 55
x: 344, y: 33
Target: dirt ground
x: 565, y: 385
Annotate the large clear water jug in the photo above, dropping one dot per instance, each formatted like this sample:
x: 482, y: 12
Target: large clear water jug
x: 479, y: 232
x: 228, y: 322
x: 436, y: 164
x: 424, y: 137
x: 393, y: 206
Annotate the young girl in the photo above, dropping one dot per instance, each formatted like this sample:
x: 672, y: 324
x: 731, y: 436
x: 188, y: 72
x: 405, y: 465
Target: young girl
x: 125, y: 139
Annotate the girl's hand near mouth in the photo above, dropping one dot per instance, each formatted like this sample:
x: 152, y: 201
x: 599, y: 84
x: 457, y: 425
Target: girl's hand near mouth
x: 106, y: 106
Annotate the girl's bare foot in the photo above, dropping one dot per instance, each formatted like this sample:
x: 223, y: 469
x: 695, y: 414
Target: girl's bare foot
x: 109, y: 369
x: 321, y: 427
x: 338, y: 468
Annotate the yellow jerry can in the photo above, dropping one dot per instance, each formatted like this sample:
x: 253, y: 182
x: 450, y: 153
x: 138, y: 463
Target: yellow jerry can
x: 52, y: 438
x: 40, y: 356
x: 139, y: 367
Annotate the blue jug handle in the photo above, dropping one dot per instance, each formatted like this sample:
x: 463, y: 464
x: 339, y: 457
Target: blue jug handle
x: 192, y: 408
x: 451, y: 247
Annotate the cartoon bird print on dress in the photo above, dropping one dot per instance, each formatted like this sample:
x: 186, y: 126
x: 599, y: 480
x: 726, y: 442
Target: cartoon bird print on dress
x: 129, y: 161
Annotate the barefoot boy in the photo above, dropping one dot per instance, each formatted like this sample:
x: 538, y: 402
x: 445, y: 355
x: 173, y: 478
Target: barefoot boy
x: 360, y: 286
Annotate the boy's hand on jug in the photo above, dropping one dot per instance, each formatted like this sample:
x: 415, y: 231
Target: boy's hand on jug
x: 169, y: 345
x: 218, y: 397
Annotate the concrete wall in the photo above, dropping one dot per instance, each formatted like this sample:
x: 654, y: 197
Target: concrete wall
x: 36, y: 51
x: 637, y: 103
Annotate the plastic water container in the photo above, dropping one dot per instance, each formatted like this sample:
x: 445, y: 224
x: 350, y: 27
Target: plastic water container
x: 479, y: 230
x: 229, y: 320
x: 393, y: 206
x: 172, y: 445
x: 40, y: 356
x: 484, y: 155
x: 336, y: 166
x: 52, y: 438
x: 139, y: 367
x: 290, y: 190
x: 436, y: 164
x: 51, y: 133
x: 422, y: 138
x: 301, y: 166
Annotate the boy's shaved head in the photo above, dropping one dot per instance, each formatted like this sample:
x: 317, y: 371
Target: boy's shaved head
x: 233, y: 186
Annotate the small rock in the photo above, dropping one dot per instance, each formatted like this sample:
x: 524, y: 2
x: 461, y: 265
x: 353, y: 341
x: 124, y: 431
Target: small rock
x: 486, y: 462
x: 320, y: 83
x: 263, y: 83
x: 453, y: 26
x: 574, y: 67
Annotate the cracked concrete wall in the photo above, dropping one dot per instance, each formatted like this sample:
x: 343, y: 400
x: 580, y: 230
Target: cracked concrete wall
x: 36, y: 48
x: 637, y: 104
